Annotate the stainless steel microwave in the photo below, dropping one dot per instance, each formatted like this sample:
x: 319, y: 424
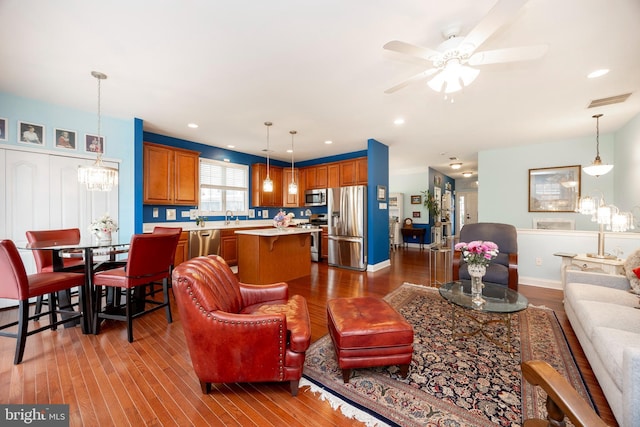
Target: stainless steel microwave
x: 316, y: 197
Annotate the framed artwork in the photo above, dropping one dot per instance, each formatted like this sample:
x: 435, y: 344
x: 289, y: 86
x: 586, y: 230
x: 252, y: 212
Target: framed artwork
x: 94, y: 143
x: 416, y: 214
x: 381, y: 192
x: 437, y: 181
x: 416, y: 200
x: 393, y: 201
x: 554, y: 189
x: 3, y: 129
x: 65, y: 139
x: 30, y: 133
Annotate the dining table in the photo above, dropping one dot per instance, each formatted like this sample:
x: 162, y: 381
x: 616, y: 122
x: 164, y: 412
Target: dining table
x: 97, y: 255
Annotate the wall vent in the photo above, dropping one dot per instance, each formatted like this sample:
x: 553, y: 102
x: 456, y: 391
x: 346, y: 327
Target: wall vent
x: 610, y: 100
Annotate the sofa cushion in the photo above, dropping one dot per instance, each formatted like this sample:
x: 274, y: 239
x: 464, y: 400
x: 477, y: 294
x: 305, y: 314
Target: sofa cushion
x: 584, y: 292
x: 630, y: 264
x: 592, y: 314
x: 610, y: 343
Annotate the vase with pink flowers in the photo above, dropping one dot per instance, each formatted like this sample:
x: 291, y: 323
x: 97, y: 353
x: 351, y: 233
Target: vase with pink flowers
x: 477, y: 254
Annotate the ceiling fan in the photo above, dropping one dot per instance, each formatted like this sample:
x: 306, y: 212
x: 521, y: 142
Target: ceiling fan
x: 454, y: 59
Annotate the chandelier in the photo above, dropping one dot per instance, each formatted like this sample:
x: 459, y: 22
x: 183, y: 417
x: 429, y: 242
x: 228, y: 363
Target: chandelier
x: 597, y: 168
x: 98, y: 177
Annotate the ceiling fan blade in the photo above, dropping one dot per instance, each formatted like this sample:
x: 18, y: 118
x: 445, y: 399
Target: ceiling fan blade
x: 501, y: 12
x: 524, y: 53
x: 413, y: 79
x: 409, y: 49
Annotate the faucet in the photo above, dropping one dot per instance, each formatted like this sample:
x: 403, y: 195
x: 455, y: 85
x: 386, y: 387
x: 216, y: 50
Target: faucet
x: 227, y: 214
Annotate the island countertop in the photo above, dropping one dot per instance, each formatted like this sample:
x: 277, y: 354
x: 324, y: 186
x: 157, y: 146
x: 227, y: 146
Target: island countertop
x: 270, y: 232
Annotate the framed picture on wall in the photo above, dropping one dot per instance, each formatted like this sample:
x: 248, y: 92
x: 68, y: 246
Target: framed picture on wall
x: 30, y: 133
x: 65, y: 139
x: 3, y: 129
x: 554, y: 189
x: 416, y: 200
x: 94, y: 143
x: 381, y: 192
x: 416, y: 214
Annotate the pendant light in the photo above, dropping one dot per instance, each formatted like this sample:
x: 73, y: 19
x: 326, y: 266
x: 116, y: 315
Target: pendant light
x: 293, y: 187
x: 267, y: 184
x: 98, y: 177
x: 597, y: 168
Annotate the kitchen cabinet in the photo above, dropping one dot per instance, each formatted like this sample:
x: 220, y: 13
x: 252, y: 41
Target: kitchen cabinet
x: 170, y: 175
x: 324, y: 242
x: 353, y: 172
x: 182, y: 250
x: 333, y: 175
x: 229, y: 246
x: 317, y: 177
x: 260, y: 197
x: 291, y: 200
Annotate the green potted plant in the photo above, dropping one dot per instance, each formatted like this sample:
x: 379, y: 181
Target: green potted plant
x: 432, y: 206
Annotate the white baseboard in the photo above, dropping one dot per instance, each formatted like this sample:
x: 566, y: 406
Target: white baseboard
x: 379, y: 266
x: 541, y: 283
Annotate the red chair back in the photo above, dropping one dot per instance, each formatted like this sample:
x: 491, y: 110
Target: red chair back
x: 15, y: 283
x: 44, y: 259
x: 169, y: 230
x: 150, y: 257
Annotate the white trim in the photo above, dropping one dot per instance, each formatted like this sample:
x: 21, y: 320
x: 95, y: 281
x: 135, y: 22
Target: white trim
x: 379, y: 266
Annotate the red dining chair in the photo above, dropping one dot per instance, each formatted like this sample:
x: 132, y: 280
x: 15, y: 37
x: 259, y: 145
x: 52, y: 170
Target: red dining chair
x: 15, y: 284
x: 167, y: 230
x: 150, y: 258
x: 44, y: 258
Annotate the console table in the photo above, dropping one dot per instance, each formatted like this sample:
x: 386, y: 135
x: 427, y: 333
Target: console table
x: 416, y: 233
x: 587, y: 263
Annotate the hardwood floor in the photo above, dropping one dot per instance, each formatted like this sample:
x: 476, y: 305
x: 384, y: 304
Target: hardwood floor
x: 107, y: 381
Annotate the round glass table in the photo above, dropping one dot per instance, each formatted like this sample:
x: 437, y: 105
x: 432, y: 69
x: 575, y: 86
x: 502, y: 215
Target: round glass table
x: 499, y: 300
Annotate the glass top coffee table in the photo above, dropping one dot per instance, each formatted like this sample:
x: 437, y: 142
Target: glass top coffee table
x: 499, y: 300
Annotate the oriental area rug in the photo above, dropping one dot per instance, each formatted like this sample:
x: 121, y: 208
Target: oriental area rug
x: 465, y: 382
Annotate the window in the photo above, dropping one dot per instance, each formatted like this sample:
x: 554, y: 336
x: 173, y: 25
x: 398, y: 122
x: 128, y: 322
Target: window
x: 223, y: 186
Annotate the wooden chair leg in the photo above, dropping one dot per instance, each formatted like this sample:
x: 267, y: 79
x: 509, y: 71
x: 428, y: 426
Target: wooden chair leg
x: 128, y: 314
x: 205, y: 387
x: 23, y: 323
x: 294, y: 385
x: 165, y: 293
x: 346, y: 374
x: 53, y: 316
x: 404, y: 371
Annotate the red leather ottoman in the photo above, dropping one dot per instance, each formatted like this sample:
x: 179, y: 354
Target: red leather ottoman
x: 367, y: 331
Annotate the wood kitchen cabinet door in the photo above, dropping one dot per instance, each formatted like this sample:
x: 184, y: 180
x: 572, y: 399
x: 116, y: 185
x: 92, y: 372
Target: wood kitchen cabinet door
x: 258, y: 175
x: 170, y: 175
x: 229, y: 246
x: 182, y: 250
x: 333, y: 175
x: 353, y: 172
x: 291, y: 200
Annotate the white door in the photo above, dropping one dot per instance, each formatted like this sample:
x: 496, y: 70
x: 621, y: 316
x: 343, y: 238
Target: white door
x: 467, y: 205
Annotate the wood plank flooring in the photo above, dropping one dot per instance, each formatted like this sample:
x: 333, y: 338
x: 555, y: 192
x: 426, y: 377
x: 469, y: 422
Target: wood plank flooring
x: 107, y: 381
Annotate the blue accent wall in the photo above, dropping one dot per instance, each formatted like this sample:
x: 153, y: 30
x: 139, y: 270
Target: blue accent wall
x: 138, y: 176
x: 377, y: 210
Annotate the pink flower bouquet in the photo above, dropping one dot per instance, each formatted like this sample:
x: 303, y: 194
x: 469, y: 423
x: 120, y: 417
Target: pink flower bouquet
x: 477, y: 252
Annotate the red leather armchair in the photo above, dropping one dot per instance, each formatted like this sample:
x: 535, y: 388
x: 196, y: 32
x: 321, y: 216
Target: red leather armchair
x: 238, y: 332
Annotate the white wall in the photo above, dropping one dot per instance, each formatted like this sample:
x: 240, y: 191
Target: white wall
x: 409, y: 184
x: 627, y: 159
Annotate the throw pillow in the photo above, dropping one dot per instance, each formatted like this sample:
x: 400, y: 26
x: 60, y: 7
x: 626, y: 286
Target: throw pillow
x: 637, y: 271
x: 631, y: 264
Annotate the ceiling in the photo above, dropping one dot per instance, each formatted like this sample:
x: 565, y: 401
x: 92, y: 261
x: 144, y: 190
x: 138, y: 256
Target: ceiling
x: 318, y: 67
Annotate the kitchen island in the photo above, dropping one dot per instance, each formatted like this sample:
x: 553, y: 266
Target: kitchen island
x: 274, y: 255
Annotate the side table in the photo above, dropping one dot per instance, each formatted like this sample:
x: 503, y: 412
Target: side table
x: 435, y: 253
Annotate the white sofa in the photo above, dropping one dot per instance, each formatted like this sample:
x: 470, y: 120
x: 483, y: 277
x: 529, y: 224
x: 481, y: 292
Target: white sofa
x: 605, y: 318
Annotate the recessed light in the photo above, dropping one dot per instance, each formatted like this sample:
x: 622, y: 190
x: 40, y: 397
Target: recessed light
x: 398, y: 121
x: 598, y: 73
x: 231, y: 146
x: 193, y: 125
x: 289, y: 150
x: 328, y: 142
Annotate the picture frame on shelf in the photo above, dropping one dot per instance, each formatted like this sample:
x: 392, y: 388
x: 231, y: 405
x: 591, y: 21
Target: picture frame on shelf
x: 65, y: 139
x: 416, y: 200
x: 381, y: 192
x: 94, y: 143
x: 31, y: 133
x: 4, y: 129
x: 393, y: 201
x: 554, y: 189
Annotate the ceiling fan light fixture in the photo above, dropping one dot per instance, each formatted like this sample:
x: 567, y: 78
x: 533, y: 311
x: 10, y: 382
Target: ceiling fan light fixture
x: 597, y: 168
x: 453, y: 77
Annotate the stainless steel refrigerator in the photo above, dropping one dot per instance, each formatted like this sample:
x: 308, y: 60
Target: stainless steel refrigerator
x: 347, y: 227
